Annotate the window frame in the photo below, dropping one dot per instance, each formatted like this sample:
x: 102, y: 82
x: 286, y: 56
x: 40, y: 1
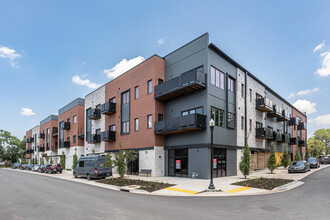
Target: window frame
x: 149, y: 126
x: 136, y: 92
x: 231, y: 120
x: 149, y: 87
x: 136, y: 124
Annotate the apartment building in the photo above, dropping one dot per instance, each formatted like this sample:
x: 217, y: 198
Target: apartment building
x: 48, y: 142
x: 28, y: 146
x: 71, y: 130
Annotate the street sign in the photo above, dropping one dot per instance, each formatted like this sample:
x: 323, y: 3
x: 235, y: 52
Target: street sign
x: 178, y: 164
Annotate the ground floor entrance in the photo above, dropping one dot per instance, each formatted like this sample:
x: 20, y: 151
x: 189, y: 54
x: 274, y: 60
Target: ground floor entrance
x: 178, y: 162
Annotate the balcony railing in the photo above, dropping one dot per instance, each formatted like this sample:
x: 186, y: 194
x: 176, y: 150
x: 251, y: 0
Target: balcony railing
x: 66, y: 144
x: 284, y: 116
x: 276, y: 112
x: 277, y: 136
x: 41, y: 149
x: 42, y: 135
x: 285, y: 138
x: 108, y: 136
x: 66, y: 126
x: 29, y: 151
x: 108, y: 108
x: 264, y: 133
x: 293, y: 121
x: 94, y: 138
x: 94, y: 113
x: 180, y: 124
x: 185, y: 83
x: 55, y: 131
x: 81, y: 133
x: 31, y: 139
x: 294, y: 141
x: 264, y: 104
x: 302, y: 126
x: 302, y: 142
x: 28, y: 140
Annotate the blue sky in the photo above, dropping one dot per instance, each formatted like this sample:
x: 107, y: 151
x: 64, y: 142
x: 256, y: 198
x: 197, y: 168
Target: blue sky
x: 44, y: 44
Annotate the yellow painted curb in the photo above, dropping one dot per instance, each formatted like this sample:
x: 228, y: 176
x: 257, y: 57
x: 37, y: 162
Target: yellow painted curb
x: 239, y: 189
x: 182, y: 190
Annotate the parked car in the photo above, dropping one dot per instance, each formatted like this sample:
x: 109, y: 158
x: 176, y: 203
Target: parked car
x: 313, y: 162
x: 15, y: 165
x: 36, y: 167
x: 23, y: 167
x: 299, y: 167
x: 53, y: 168
x: 29, y: 167
x: 91, y: 167
x: 42, y: 168
x: 324, y: 159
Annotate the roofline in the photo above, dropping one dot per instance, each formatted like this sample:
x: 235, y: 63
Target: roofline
x: 228, y: 58
x: 75, y: 100
x: 126, y: 72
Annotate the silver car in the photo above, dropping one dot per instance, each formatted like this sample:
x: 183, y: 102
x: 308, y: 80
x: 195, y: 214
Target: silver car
x: 36, y: 168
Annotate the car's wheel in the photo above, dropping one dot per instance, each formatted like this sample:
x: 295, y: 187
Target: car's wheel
x: 75, y: 175
x: 61, y: 171
x: 103, y: 177
x: 88, y: 176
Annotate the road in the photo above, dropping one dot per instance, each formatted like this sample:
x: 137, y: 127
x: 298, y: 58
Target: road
x: 27, y: 196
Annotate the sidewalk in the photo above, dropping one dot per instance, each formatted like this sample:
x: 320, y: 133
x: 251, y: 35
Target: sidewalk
x: 198, y: 187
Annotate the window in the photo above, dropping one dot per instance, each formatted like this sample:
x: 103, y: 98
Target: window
x: 242, y: 122
x: 136, y: 124
x: 218, y: 116
x: 231, y: 120
x: 136, y: 92
x: 258, y: 96
x: 98, y: 106
x: 160, y: 117
x: 68, y: 120
x: 125, y: 127
x: 81, y: 163
x: 74, y: 119
x: 231, y: 84
x: 250, y: 95
x: 149, y: 121
x: 68, y: 139
x: 160, y: 81
x: 258, y: 125
x: 250, y: 125
x: 242, y: 90
x: 98, y: 131
x: 112, y: 128
x: 149, y: 86
x: 113, y: 100
x: 198, y: 110
x: 125, y: 97
x: 217, y: 78
x: 74, y: 139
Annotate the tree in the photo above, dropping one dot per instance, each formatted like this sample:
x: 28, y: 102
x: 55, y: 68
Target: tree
x: 11, y: 148
x: 317, y: 147
x: 323, y: 135
x: 245, y: 164
x: 307, y: 154
x: 93, y: 151
x: 63, y: 160
x: 122, y: 157
x: 285, y: 159
x: 36, y: 159
x: 271, y: 162
x: 51, y: 158
x: 42, y: 161
x: 297, y: 155
x: 75, y: 158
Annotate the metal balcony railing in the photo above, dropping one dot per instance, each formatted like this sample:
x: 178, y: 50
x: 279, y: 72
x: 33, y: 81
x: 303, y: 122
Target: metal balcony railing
x: 264, y: 133
x: 108, y: 136
x: 264, y: 104
x: 108, y: 108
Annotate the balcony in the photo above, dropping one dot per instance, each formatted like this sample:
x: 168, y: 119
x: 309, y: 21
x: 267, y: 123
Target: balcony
x: 277, y: 136
x: 66, y: 126
x: 285, y: 138
x: 302, y: 143
x: 294, y: 141
x: 276, y: 112
x: 108, y: 108
x: 28, y: 140
x: 31, y: 139
x: 293, y: 121
x: 108, y: 136
x: 42, y: 135
x: 302, y: 126
x: 81, y: 133
x: 94, y: 138
x: 29, y: 151
x: 264, y: 104
x: 55, y: 131
x: 284, y: 117
x: 264, y: 133
x: 66, y: 144
x: 180, y: 124
x: 187, y: 82
x: 94, y: 113
x: 41, y: 149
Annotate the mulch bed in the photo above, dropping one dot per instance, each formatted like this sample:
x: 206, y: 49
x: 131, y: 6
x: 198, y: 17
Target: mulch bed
x: 263, y: 183
x: 145, y: 185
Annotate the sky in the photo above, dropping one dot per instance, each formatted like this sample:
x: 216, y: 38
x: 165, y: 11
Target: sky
x: 52, y: 52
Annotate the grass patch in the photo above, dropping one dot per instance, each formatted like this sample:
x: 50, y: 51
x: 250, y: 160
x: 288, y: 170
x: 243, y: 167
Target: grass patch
x: 263, y: 183
x: 145, y: 185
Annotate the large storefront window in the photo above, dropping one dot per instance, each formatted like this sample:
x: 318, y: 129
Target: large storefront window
x: 219, y: 162
x: 178, y: 162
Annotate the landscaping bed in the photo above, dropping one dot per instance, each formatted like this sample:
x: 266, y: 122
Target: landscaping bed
x: 145, y: 185
x: 263, y: 183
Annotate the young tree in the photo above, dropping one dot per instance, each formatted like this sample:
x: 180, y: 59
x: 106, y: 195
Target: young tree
x: 297, y: 155
x: 245, y: 164
x: 36, y: 160
x: 63, y: 160
x: 42, y: 162
x: 307, y: 154
x: 51, y: 158
x: 75, y: 158
x: 93, y: 151
x: 271, y: 162
x: 285, y: 159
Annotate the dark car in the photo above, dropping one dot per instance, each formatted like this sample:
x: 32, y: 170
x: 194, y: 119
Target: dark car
x: 53, y: 168
x: 15, y: 165
x: 42, y: 168
x: 29, y: 167
x: 324, y: 159
x: 313, y: 162
x: 91, y: 167
x: 299, y: 167
x: 23, y: 167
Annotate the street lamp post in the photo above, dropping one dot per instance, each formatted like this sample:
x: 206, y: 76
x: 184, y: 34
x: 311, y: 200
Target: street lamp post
x: 211, y: 186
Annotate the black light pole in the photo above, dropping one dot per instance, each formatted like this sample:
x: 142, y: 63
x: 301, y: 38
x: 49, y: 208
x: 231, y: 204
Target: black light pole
x: 211, y: 186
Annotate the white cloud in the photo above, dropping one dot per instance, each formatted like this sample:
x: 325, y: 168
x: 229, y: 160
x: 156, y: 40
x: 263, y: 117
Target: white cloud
x: 304, y: 105
x: 325, y: 69
x: 9, y: 54
x: 319, y: 47
x: 84, y: 82
x: 122, y: 67
x: 304, y: 92
x: 322, y: 120
x: 27, y: 112
x: 160, y: 41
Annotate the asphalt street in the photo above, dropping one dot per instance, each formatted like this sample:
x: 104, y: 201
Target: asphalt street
x: 27, y: 196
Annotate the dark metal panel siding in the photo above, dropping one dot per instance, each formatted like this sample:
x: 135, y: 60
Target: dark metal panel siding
x: 231, y: 162
x: 199, y: 162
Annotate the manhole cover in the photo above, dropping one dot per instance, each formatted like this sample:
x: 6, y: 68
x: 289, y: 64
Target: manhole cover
x: 270, y: 208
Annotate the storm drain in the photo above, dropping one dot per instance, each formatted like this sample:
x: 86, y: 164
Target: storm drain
x: 270, y: 208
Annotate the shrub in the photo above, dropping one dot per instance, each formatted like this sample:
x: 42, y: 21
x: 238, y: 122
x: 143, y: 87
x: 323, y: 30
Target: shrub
x: 297, y: 156
x: 285, y: 159
x: 245, y: 164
